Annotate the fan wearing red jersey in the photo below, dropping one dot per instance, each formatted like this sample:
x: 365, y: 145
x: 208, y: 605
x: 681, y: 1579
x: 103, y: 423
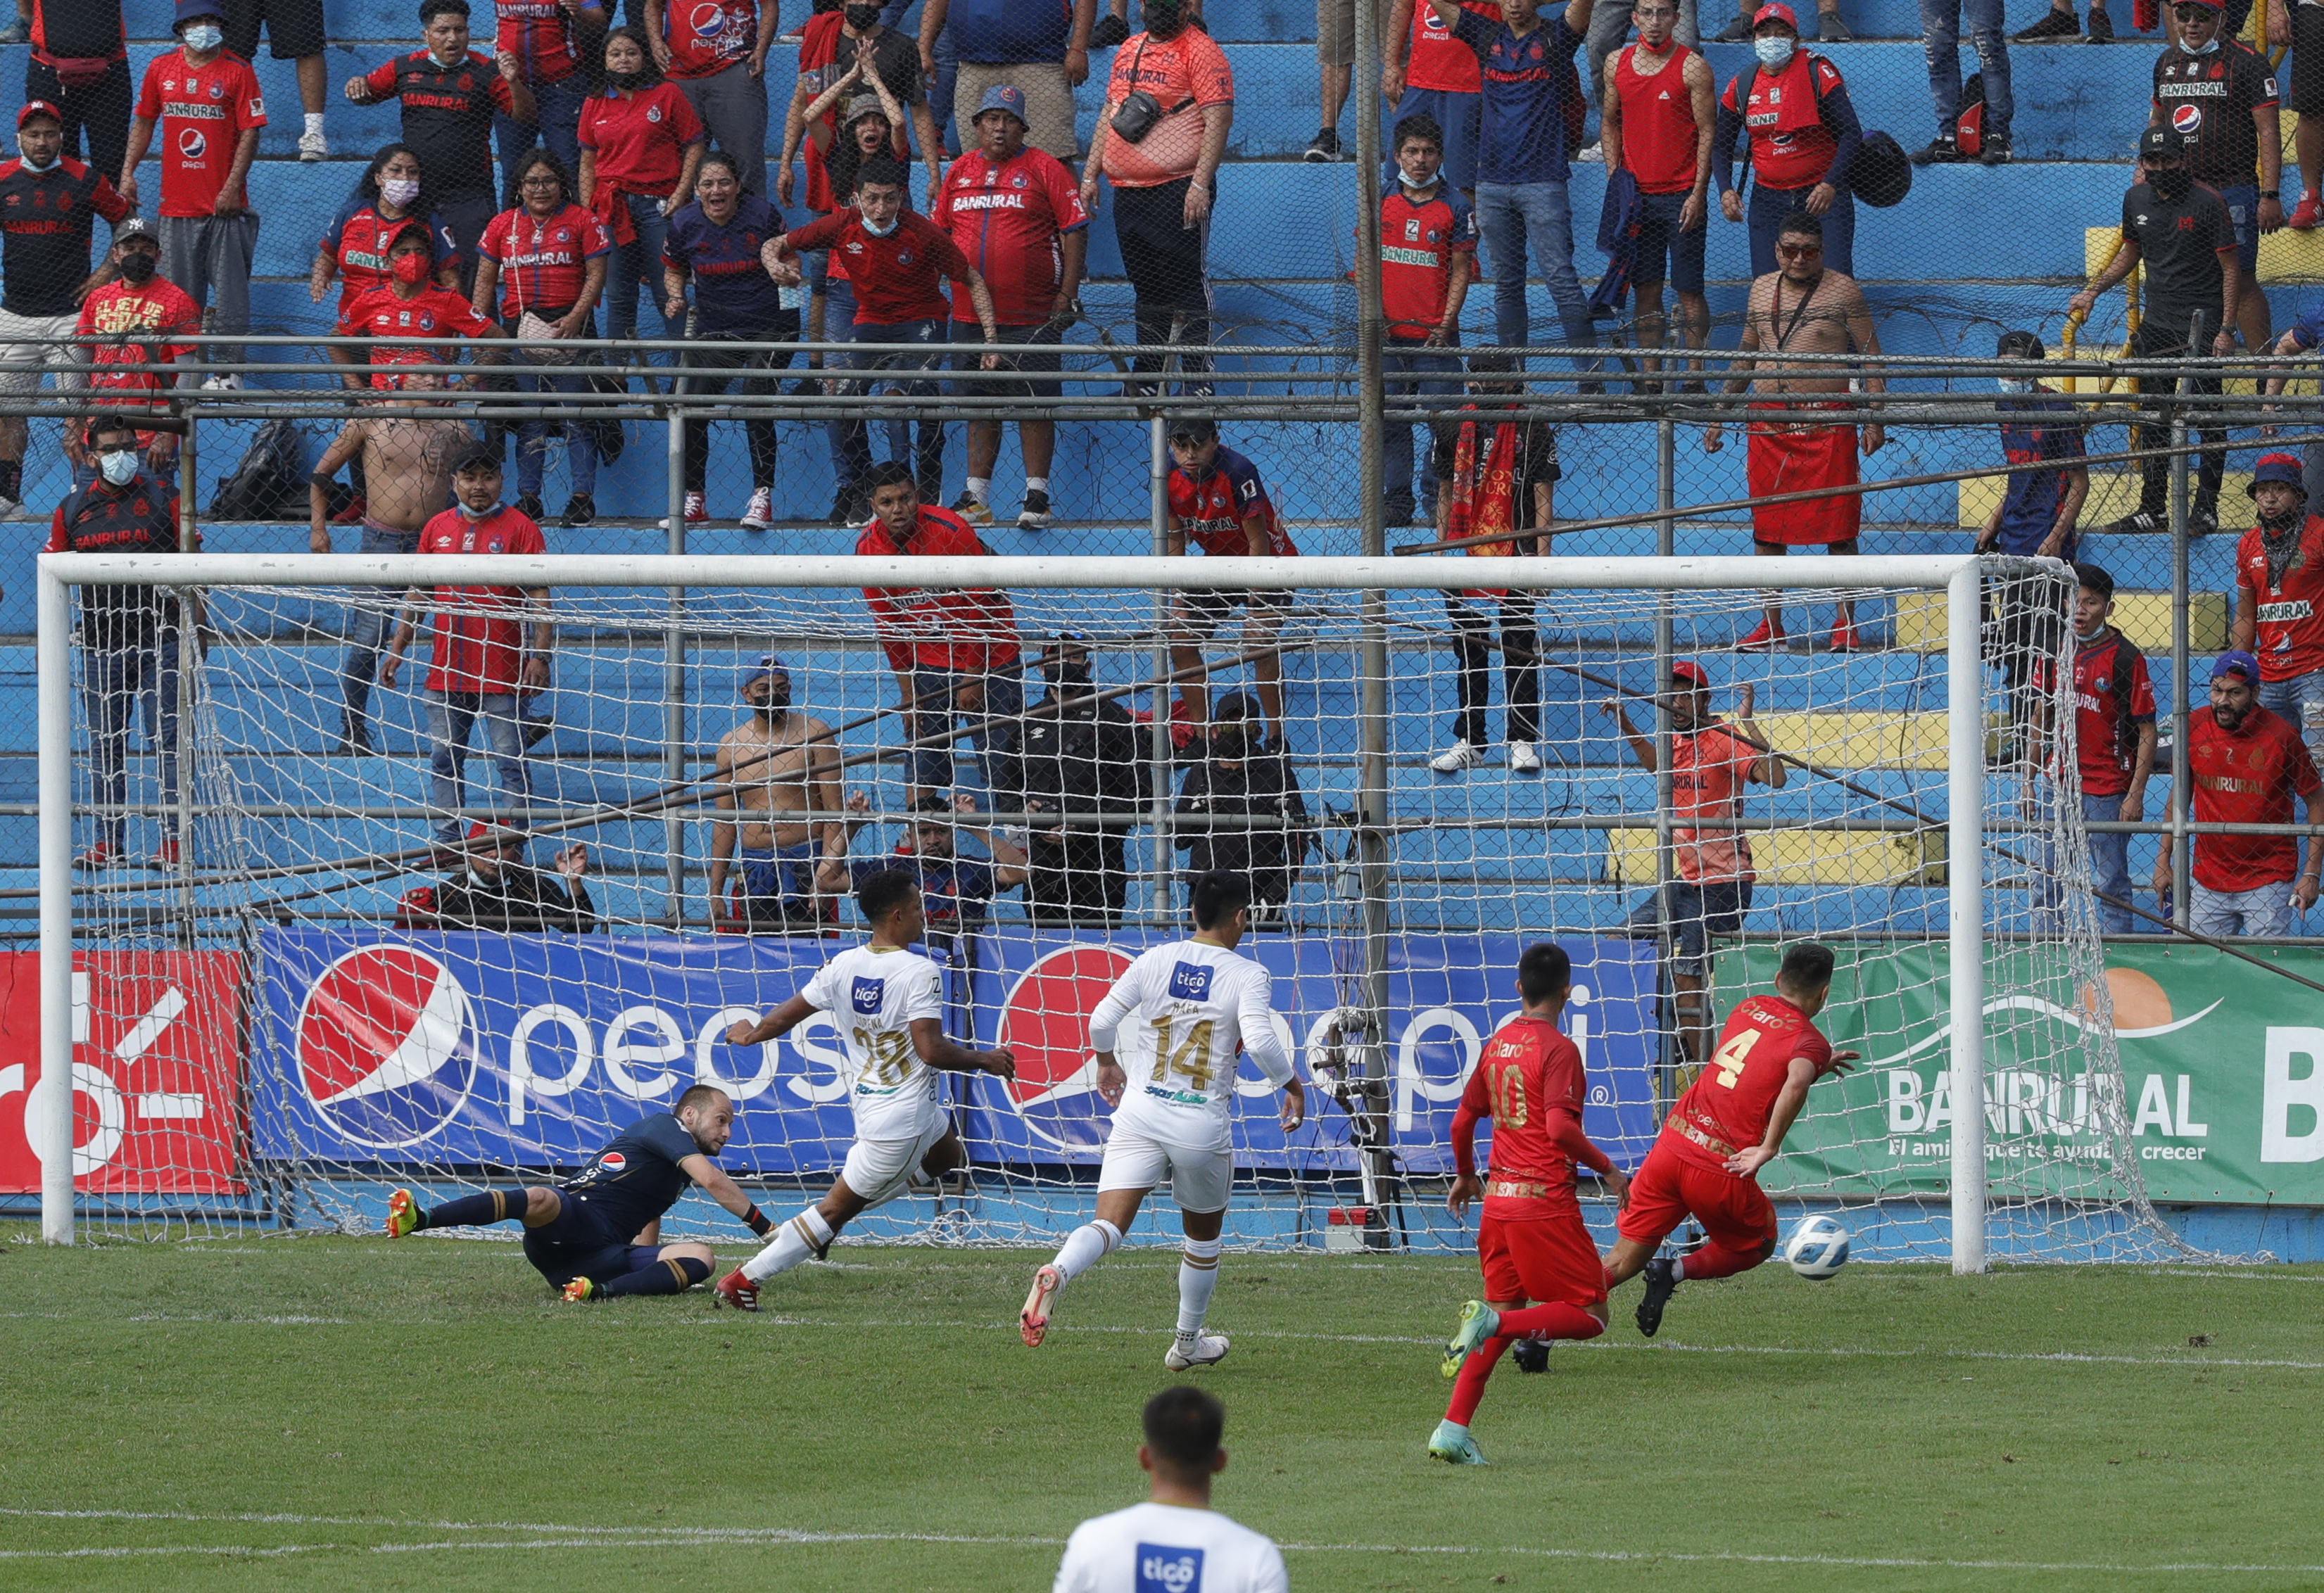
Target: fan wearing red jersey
x: 1530, y: 1238
x: 1218, y: 500
x: 1731, y: 1123
x: 2280, y: 597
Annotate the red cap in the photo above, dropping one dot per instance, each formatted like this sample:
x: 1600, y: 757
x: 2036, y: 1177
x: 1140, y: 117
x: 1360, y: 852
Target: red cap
x: 39, y: 107
x: 1688, y: 669
x: 504, y: 832
x: 1775, y: 11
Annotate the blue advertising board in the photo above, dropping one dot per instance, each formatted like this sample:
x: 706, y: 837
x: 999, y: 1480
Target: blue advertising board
x: 373, y: 1046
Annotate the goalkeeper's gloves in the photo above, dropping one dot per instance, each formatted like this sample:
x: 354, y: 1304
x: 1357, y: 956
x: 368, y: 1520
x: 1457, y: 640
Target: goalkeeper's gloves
x: 758, y: 1221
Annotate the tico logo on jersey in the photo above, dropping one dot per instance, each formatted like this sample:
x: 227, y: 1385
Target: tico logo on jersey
x: 1190, y: 981
x: 386, y: 1044
x: 1045, y: 1021
x: 866, y: 996
x: 1163, y: 1569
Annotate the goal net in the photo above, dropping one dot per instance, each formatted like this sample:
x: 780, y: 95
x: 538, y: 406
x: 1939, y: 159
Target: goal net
x: 297, y: 982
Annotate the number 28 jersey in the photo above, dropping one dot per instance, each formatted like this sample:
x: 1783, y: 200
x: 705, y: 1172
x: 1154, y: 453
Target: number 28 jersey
x: 874, y: 998
x: 1201, y: 1005
x: 1726, y: 1109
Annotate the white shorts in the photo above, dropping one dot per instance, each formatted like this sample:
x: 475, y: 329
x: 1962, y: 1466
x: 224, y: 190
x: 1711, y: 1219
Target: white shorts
x: 881, y: 1169
x: 1200, y: 1180
x: 31, y: 344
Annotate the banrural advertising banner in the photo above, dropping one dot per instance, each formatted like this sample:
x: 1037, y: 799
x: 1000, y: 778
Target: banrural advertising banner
x: 2222, y: 1086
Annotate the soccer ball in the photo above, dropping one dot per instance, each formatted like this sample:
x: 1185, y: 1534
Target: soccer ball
x: 1817, y: 1247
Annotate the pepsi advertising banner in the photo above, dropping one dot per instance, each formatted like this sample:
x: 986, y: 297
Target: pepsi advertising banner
x: 482, y: 1049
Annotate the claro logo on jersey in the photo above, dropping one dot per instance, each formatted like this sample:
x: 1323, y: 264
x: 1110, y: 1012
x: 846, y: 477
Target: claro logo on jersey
x: 386, y: 1045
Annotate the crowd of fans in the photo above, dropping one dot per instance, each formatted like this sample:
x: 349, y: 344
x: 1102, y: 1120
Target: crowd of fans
x: 632, y: 165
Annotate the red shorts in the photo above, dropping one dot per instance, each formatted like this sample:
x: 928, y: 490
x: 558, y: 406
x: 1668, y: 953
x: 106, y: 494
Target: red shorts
x: 1794, y: 459
x: 1734, y: 1213
x: 1541, y: 1259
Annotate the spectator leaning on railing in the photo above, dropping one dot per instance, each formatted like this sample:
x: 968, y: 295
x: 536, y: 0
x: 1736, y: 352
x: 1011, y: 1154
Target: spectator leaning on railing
x: 1014, y: 212
x: 205, y: 101
x: 547, y: 258
x: 48, y: 206
x: 449, y: 96
x: 1168, y: 109
x: 2244, y: 767
x: 717, y: 243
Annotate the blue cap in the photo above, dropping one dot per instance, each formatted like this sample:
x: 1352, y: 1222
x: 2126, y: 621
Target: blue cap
x: 2233, y: 663
x: 2282, y: 467
x: 194, y: 10
x: 1001, y: 97
x: 770, y: 667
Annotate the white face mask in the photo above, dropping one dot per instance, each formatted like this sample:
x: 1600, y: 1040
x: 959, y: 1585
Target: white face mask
x: 1775, y: 53
x: 203, y: 37
x: 882, y: 232
x: 479, y: 514
x: 2014, y: 383
x: 399, y: 191
x: 31, y: 165
x: 2205, y: 49
x: 118, y: 469
x: 1428, y: 181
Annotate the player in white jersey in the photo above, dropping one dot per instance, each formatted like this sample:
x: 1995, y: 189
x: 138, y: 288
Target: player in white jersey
x: 888, y: 1002
x: 1174, y: 1541
x: 1174, y: 1105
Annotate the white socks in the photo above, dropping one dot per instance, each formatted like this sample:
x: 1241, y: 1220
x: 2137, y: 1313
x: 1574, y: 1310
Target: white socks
x: 1198, y: 1276
x: 1678, y: 1269
x: 314, y: 121
x: 1085, y: 1246
x: 1036, y: 483
x: 980, y: 487
x: 805, y: 1235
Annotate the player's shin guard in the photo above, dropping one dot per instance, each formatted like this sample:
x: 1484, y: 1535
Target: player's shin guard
x: 671, y: 1276
x: 1085, y: 1246
x: 1469, y: 1386
x: 1557, y: 1320
x: 805, y: 1235
x: 1715, y: 1261
x: 475, y: 1211
x: 1198, y: 1277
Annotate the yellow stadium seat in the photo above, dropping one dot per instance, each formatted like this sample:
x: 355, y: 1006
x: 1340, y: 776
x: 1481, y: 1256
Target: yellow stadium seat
x: 1803, y: 857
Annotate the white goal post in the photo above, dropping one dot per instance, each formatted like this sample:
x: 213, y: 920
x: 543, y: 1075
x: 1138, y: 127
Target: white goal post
x: 1950, y: 583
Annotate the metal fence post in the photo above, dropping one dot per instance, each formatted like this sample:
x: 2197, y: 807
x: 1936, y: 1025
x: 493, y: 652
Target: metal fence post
x: 1158, y: 472
x: 1965, y: 905
x: 2181, y: 785
x: 1665, y: 647
x: 673, y: 651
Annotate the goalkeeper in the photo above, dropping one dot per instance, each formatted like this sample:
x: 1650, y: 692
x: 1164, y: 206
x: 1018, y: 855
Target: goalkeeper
x: 600, y: 1235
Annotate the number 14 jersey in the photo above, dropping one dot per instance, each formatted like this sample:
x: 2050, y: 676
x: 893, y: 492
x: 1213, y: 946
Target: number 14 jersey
x: 874, y: 997
x: 1201, y: 1004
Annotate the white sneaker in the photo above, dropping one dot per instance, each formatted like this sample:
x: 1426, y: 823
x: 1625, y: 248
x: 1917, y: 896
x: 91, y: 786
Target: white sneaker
x: 11, y: 509
x: 1210, y: 1349
x: 1522, y: 758
x: 314, y: 146
x: 761, y: 513
x: 1459, y: 756
x: 1592, y: 155
x: 227, y: 383
x: 697, y: 512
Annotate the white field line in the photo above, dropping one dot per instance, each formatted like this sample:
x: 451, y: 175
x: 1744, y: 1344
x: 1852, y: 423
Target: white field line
x: 550, y: 1536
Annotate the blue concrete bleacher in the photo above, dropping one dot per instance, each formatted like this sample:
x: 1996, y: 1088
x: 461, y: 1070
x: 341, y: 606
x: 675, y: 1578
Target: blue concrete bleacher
x: 1971, y: 251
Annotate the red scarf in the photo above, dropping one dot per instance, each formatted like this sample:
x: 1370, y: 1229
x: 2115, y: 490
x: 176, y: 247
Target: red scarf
x: 1484, y: 492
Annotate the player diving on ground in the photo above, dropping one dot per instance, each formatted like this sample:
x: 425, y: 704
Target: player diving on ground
x: 598, y: 1235
x: 887, y: 1002
x: 1201, y: 1004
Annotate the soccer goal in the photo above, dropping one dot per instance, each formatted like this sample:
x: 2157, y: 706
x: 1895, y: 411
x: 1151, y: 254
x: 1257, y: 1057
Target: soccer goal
x: 296, y: 983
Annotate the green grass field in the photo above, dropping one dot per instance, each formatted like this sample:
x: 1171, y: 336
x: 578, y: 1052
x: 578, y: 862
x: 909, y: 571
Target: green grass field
x: 297, y: 1413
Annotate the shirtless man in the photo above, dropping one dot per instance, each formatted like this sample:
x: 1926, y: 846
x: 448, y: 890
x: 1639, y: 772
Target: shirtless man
x: 774, y: 761
x: 407, y: 456
x: 1800, y: 307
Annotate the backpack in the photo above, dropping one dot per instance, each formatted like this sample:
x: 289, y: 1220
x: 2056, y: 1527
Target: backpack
x: 1879, y: 174
x: 270, y: 481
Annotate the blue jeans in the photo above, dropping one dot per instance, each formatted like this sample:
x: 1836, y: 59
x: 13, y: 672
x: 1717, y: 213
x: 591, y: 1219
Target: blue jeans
x: 367, y: 624
x: 116, y: 683
x: 934, y: 695
x: 2110, y: 865
x: 2300, y: 700
x: 558, y: 131
x: 637, y: 266
x: 1513, y: 216
x: 1941, y: 23
x: 532, y: 436
x: 1765, y: 214
x: 855, y: 451
x: 451, y: 717
x: 839, y: 327
x: 1411, y: 371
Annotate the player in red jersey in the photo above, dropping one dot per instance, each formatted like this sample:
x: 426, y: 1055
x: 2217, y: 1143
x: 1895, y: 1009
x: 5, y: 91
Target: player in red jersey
x: 1530, y: 1238
x: 1729, y: 1124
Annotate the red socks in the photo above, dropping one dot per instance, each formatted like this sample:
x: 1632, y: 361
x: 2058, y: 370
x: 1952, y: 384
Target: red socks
x: 1553, y: 1321
x: 1714, y: 1261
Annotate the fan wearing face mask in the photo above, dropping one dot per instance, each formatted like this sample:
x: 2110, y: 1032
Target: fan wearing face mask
x: 2220, y: 95
x: 2182, y: 230
x: 2037, y: 513
x: 1793, y: 114
x: 2280, y: 597
x: 145, y: 316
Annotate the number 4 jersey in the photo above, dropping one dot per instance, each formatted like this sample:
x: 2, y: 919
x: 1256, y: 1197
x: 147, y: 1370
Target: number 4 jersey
x: 874, y: 996
x: 1201, y: 1004
x: 1725, y: 1110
